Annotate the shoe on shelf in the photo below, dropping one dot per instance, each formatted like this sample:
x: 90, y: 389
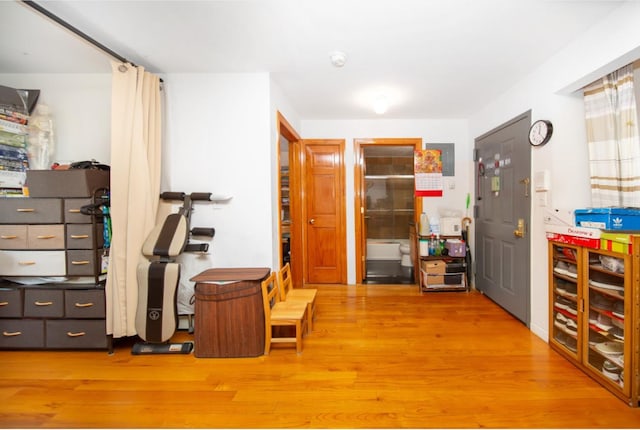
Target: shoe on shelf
x: 601, y: 302
x: 604, y: 322
x: 571, y: 326
x: 562, y: 268
x: 572, y: 271
x: 618, y: 309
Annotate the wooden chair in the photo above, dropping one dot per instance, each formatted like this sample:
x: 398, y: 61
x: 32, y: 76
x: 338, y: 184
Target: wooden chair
x: 278, y: 314
x: 288, y: 294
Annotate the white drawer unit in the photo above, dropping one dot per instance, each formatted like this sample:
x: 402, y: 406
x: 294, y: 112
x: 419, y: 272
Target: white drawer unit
x: 33, y: 263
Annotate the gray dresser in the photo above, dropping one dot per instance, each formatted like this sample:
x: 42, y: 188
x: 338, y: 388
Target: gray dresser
x: 49, y: 237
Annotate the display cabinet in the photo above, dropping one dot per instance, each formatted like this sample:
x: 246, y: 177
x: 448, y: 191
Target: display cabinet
x: 593, y: 313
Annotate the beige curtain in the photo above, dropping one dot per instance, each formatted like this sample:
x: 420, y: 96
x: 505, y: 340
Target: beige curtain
x: 612, y: 136
x: 136, y: 108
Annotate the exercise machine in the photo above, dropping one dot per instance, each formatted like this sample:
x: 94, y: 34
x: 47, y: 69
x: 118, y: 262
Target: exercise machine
x: 158, y: 277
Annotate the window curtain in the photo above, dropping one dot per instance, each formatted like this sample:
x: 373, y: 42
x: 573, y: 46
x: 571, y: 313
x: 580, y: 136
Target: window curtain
x: 136, y: 108
x: 612, y: 136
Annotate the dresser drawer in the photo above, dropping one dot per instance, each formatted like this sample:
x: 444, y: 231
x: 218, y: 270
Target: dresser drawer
x: 21, y: 333
x: 45, y: 236
x: 28, y: 210
x: 10, y: 303
x: 41, y: 303
x: 76, y: 334
x: 84, y: 303
x: 32, y: 263
x: 72, y: 214
x: 80, y: 236
x: 13, y: 236
x: 82, y: 262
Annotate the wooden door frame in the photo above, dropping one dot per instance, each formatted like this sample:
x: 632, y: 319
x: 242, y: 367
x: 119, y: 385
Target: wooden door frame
x: 360, y: 197
x: 285, y: 129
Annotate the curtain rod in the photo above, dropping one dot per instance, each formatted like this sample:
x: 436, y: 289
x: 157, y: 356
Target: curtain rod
x: 70, y: 27
x: 35, y: 6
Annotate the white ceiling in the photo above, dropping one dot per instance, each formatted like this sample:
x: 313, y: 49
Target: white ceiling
x: 433, y: 59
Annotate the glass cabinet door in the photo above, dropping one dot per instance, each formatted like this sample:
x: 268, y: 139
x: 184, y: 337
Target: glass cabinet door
x: 565, y: 324
x: 608, y: 286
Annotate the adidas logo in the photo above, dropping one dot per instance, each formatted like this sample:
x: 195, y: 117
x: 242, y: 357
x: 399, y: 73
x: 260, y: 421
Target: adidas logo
x: 617, y: 222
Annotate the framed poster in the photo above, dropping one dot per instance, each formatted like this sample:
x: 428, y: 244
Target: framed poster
x: 427, y: 170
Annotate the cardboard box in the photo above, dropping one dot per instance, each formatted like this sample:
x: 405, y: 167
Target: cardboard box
x: 66, y: 183
x: 609, y: 218
x: 574, y: 240
x: 617, y: 242
x: 586, y: 232
x: 433, y: 272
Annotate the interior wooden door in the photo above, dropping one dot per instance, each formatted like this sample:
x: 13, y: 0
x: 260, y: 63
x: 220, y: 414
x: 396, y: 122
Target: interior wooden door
x: 324, y: 212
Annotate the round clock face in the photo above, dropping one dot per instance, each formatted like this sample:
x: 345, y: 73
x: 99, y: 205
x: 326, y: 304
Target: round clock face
x: 540, y: 132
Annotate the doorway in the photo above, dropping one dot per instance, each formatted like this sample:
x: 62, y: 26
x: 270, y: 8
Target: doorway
x: 386, y: 210
x: 503, y: 207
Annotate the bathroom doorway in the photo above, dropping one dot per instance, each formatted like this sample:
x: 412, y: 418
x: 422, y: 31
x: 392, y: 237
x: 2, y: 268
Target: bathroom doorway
x: 386, y: 211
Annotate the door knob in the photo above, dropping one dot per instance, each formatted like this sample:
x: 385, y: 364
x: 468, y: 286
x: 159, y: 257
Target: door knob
x: 312, y: 221
x: 519, y: 232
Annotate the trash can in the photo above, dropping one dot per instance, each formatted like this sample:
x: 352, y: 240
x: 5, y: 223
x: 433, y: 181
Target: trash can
x: 229, y: 315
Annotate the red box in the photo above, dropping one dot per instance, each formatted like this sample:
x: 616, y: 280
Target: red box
x: 574, y: 240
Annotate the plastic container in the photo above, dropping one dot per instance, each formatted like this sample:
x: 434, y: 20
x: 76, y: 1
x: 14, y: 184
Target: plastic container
x: 41, y: 143
x: 434, y: 224
x: 424, y: 228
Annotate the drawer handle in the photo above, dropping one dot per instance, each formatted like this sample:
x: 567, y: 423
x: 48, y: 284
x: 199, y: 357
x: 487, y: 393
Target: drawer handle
x: 78, y: 334
x: 11, y: 236
x: 4, y: 303
x: 80, y: 263
x: 79, y: 236
x: 74, y: 211
x: 83, y: 305
x: 26, y: 263
x: 26, y: 210
x: 42, y: 303
x: 46, y: 236
x: 11, y: 333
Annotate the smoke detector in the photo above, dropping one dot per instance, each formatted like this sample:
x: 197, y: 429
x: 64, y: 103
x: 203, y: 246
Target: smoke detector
x: 338, y: 58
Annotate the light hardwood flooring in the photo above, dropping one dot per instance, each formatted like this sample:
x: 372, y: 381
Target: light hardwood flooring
x: 380, y: 357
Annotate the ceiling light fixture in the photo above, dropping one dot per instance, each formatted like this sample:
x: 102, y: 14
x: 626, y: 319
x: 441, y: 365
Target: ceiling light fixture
x: 380, y: 104
x: 338, y: 58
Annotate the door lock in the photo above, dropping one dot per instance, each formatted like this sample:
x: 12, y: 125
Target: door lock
x: 519, y: 232
x: 525, y: 181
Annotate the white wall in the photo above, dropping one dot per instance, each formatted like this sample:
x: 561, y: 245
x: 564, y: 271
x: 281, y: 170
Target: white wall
x: 431, y: 131
x: 218, y: 141
x: 603, y: 48
x: 81, y: 109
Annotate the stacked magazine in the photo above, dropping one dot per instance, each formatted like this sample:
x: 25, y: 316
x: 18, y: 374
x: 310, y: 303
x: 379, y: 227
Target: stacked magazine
x: 14, y: 116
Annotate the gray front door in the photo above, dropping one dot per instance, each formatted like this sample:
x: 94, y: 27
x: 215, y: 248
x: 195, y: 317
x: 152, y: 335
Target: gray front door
x: 502, y: 209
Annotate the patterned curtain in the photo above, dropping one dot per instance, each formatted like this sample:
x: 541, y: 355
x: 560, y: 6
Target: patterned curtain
x: 612, y: 136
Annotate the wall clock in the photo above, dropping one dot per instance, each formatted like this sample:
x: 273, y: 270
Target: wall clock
x: 540, y: 132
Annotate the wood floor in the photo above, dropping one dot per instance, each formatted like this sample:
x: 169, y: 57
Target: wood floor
x: 379, y: 357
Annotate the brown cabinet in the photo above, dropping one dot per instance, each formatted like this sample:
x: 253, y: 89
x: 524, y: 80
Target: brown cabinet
x: 593, y: 313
